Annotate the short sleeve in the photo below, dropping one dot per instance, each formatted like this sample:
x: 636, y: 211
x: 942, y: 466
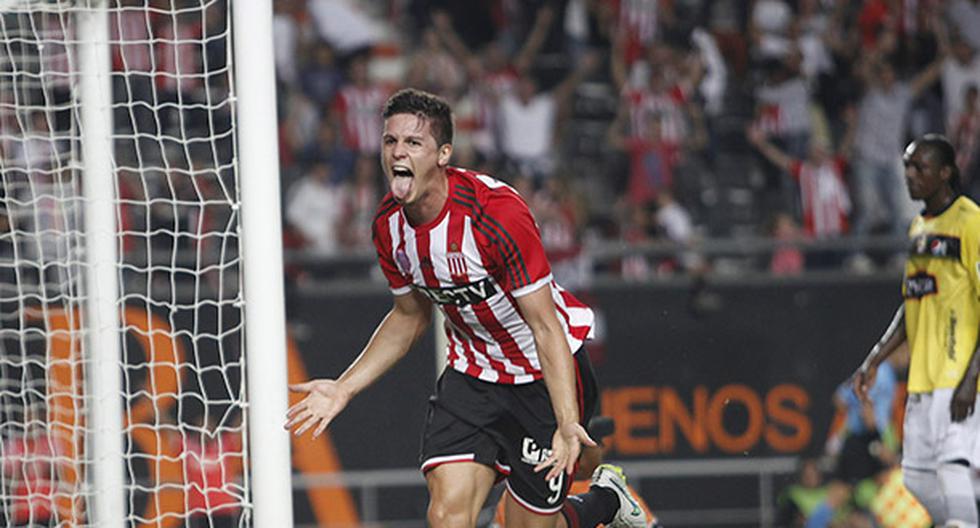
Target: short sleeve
x: 398, y: 282
x: 516, y: 246
x: 970, y: 252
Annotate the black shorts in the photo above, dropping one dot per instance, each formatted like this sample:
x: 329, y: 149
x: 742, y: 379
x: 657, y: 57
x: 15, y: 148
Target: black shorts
x: 506, y: 427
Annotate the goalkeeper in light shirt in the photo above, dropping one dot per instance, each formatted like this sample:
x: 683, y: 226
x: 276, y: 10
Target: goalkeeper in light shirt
x: 940, y: 320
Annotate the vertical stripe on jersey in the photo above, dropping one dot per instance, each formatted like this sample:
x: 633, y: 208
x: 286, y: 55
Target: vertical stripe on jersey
x: 453, y: 318
x: 423, y: 248
x: 482, y: 311
x: 396, y: 228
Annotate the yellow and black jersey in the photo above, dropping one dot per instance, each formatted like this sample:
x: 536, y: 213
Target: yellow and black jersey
x: 942, y: 295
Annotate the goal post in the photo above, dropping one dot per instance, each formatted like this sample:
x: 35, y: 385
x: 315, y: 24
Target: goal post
x: 101, y: 311
x: 264, y: 289
x: 142, y: 330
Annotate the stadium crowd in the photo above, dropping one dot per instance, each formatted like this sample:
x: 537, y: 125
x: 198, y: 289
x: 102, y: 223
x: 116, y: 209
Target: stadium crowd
x: 637, y: 120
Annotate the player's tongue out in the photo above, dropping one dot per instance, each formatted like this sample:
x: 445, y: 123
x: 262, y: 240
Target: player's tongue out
x: 401, y: 183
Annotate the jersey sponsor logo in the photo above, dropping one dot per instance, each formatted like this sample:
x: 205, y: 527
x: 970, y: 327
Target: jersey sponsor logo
x: 532, y: 453
x: 936, y: 246
x: 920, y: 285
x: 463, y: 295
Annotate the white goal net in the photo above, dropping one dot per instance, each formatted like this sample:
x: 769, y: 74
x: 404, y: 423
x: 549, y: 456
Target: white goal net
x: 175, y: 201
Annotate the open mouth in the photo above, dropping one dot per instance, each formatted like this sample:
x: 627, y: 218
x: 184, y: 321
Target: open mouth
x: 401, y: 182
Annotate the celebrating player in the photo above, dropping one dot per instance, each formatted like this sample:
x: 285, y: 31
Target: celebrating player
x: 514, y: 399
x: 939, y: 320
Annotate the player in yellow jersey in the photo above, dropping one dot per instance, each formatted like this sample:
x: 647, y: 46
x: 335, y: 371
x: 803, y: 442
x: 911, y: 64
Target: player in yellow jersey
x: 940, y: 320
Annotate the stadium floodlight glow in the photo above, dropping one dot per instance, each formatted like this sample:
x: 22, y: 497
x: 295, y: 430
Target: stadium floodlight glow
x: 139, y: 227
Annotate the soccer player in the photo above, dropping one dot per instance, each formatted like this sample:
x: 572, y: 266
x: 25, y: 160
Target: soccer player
x: 515, y: 397
x: 939, y: 320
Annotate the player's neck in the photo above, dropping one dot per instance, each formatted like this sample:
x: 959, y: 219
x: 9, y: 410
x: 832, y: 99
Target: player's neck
x: 430, y: 204
x: 938, y: 202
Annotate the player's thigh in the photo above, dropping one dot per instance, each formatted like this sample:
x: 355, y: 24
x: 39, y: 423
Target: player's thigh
x: 956, y: 439
x: 459, y: 489
x: 919, y: 436
x: 518, y: 516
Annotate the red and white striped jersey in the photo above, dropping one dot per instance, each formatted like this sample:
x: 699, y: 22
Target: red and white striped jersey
x: 474, y: 260
x: 824, y: 197
x: 359, y: 111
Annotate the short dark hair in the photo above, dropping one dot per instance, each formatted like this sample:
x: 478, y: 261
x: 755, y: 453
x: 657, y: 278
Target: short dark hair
x: 425, y: 105
x: 944, y: 154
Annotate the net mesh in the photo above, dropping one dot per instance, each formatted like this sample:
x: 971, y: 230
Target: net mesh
x: 180, y: 306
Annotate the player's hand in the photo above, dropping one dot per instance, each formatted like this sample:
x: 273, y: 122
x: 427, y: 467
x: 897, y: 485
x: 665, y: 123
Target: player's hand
x: 864, y: 379
x: 964, y: 399
x: 324, y: 400
x: 566, y: 445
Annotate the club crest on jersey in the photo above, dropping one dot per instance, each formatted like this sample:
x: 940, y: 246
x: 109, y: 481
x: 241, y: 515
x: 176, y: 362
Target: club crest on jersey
x: 457, y: 264
x: 462, y: 295
x: 404, y: 264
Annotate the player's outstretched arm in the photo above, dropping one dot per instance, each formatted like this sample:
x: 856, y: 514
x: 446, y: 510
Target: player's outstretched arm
x: 965, y: 395
x: 558, y: 370
x: 326, y: 398
x: 894, y: 337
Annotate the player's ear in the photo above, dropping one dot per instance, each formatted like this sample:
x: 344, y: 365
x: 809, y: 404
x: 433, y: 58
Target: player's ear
x: 445, y: 151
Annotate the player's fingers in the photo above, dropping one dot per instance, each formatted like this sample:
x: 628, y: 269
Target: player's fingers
x: 586, y: 439
x: 306, y: 386
x: 546, y: 463
x: 296, y: 408
x: 321, y: 427
x: 309, y: 422
x: 297, y: 418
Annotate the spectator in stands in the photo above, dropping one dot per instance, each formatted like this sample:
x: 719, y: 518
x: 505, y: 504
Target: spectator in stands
x: 879, y: 142
x: 321, y: 78
x: 823, y: 191
x: 769, y: 29
x: 966, y: 139
x: 783, y: 112
x: 492, y: 75
x: 314, y: 205
x: 529, y: 117
x: 960, y: 71
x: 787, y: 259
x: 357, y: 108
x: 652, y: 159
x: 560, y: 217
x: 327, y: 146
x: 964, y: 18
x: 673, y: 223
x: 433, y: 68
x: 361, y: 198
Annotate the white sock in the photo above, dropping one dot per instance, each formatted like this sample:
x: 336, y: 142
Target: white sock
x: 961, y: 507
x: 926, y: 488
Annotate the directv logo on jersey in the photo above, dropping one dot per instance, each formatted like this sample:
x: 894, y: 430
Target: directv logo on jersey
x: 462, y: 295
x: 920, y: 285
x: 532, y: 454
